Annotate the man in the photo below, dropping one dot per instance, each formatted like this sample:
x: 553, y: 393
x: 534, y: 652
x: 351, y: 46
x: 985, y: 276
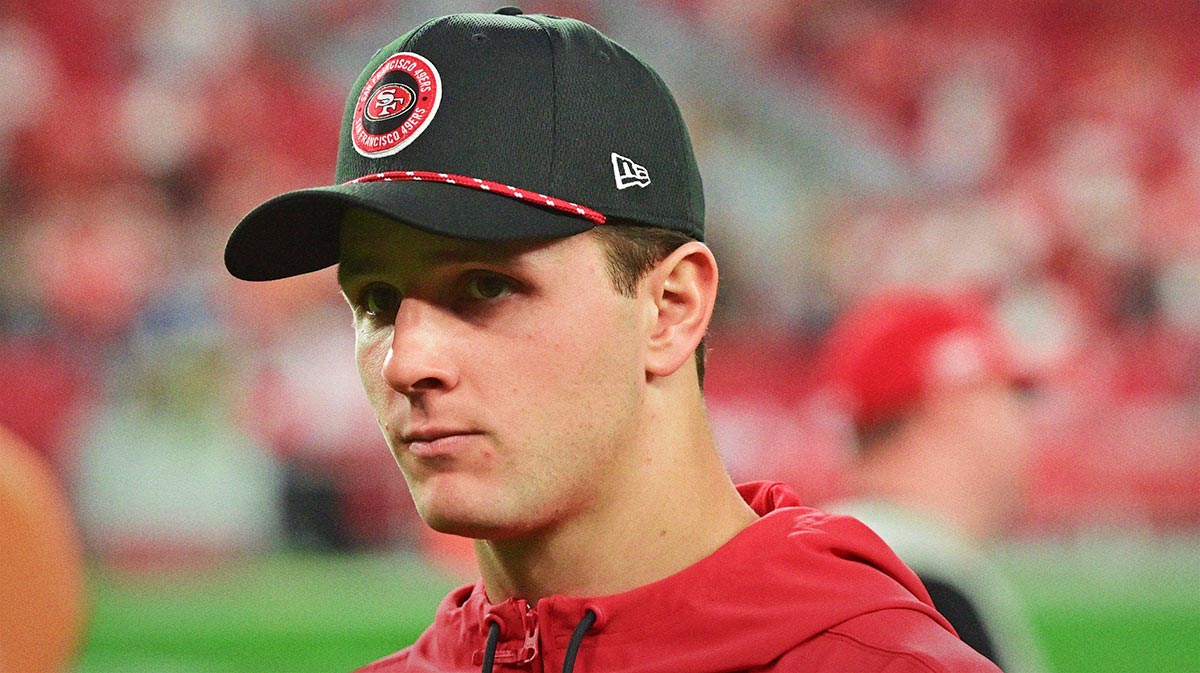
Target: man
x: 517, y: 223
x: 943, y: 448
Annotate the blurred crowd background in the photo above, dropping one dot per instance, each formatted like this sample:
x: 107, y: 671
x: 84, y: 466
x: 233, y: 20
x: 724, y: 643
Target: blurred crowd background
x: 1042, y: 154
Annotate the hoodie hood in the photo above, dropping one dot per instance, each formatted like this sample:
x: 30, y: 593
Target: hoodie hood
x: 791, y: 575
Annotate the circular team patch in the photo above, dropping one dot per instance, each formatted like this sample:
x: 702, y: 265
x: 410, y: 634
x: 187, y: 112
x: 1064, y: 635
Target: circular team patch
x: 395, y: 105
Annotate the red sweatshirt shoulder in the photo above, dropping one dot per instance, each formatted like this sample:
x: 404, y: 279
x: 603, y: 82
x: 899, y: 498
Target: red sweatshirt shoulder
x: 887, y: 641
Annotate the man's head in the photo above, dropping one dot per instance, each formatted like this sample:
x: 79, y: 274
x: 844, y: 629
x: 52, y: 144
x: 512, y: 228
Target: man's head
x: 936, y: 402
x: 889, y: 352
x: 528, y: 189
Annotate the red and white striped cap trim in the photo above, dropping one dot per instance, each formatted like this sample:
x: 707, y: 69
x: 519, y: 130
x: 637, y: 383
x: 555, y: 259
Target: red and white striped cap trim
x: 486, y: 186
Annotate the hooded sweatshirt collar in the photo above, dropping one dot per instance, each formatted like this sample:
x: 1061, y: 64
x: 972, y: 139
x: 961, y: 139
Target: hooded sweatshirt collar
x: 787, y: 577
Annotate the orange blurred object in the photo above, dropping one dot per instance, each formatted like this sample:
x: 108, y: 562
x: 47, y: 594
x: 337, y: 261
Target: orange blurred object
x: 41, y: 566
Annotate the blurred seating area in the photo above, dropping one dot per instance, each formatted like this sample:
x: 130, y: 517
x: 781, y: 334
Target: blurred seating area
x: 1043, y: 154
x: 1050, y: 164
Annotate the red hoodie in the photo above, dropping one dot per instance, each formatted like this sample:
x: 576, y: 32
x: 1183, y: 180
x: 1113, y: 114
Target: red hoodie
x: 797, y: 590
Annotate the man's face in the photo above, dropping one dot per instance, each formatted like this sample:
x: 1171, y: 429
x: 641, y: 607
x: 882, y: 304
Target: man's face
x: 506, y: 377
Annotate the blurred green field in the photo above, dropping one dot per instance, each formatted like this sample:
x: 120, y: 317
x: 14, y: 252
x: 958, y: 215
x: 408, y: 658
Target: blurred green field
x: 1105, y: 606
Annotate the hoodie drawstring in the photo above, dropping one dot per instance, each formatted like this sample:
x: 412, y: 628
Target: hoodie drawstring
x: 489, y: 652
x: 581, y: 629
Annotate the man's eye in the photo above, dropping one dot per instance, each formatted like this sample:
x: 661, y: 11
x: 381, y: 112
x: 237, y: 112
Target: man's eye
x: 378, y: 299
x: 488, y: 286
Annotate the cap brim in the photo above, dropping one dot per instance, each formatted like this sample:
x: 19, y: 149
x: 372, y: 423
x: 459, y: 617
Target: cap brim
x: 298, y: 232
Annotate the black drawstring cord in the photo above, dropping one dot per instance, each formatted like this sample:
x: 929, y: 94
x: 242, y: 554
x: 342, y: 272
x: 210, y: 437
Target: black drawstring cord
x: 589, y: 618
x: 489, y: 653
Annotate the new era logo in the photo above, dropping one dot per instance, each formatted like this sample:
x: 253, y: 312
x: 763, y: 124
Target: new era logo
x: 627, y: 173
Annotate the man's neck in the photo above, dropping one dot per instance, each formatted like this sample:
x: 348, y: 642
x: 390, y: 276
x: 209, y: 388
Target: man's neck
x: 668, y: 515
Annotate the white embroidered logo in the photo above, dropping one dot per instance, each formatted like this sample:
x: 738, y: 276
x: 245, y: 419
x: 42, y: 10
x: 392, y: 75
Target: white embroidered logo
x: 627, y: 173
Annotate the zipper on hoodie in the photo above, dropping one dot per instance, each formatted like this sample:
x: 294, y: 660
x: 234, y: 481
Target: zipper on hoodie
x: 529, y: 650
x: 529, y: 647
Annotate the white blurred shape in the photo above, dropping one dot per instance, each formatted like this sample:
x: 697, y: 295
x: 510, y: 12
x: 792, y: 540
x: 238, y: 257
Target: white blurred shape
x: 1178, y: 286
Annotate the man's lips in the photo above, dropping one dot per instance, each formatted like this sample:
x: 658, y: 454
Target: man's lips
x: 431, y: 443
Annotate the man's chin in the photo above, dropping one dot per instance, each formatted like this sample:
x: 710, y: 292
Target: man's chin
x: 467, y: 525
x: 461, y: 504
x: 455, y: 516
x: 468, y: 529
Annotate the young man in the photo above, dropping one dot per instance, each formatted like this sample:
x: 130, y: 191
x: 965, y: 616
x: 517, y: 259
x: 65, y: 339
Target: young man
x: 517, y: 223
x: 943, y: 452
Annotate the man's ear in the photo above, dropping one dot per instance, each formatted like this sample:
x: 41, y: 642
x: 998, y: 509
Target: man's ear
x: 682, y: 289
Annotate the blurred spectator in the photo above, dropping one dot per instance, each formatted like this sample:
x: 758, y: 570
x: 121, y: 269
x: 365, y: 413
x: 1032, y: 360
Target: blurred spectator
x: 163, y: 473
x: 942, y: 451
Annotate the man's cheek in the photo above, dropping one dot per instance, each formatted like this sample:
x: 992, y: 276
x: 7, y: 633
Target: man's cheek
x: 370, y: 354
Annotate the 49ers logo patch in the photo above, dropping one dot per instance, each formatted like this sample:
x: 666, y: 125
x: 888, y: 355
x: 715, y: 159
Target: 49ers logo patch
x: 391, y: 100
x: 395, y: 105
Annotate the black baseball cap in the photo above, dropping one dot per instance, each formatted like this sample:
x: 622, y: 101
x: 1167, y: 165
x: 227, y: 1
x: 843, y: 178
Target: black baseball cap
x: 490, y: 127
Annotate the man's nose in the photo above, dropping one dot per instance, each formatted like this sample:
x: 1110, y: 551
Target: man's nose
x: 419, y: 357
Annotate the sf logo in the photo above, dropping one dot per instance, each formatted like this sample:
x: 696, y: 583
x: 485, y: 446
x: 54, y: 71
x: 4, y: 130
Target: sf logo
x: 388, y: 101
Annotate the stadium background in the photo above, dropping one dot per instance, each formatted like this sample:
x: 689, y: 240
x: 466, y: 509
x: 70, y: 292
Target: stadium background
x: 238, y: 509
